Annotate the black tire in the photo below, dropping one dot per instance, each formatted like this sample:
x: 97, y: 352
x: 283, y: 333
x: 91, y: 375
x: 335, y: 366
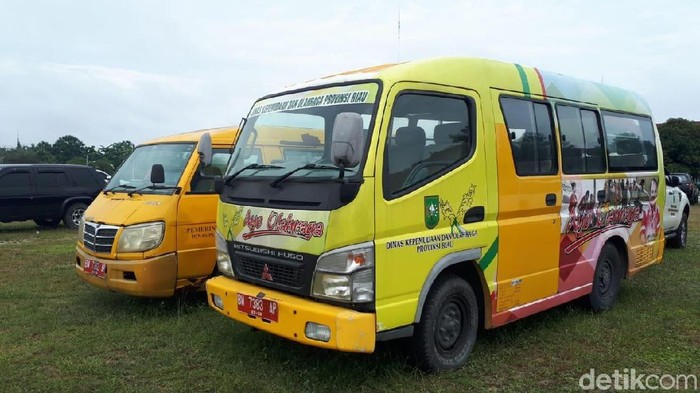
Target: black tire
x: 73, y: 215
x: 606, y: 279
x: 681, y: 238
x: 47, y: 222
x: 445, y: 336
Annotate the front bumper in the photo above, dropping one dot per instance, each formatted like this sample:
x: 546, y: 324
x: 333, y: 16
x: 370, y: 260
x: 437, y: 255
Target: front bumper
x: 154, y: 277
x: 351, y: 331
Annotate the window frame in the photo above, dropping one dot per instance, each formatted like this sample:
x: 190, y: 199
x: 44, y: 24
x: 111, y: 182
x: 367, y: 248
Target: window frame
x: 601, y: 134
x: 12, y: 171
x: 655, y: 132
x: 196, y: 173
x: 472, y: 115
x: 54, y: 172
x: 554, y: 131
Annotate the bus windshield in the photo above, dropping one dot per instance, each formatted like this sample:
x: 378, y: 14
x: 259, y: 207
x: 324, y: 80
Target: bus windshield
x: 135, y: 172
x: 292, y: 130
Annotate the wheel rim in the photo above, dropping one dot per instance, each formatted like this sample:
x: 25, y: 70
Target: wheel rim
x: 450, y: 325
x: 605, y: 277
x: 77, y: 215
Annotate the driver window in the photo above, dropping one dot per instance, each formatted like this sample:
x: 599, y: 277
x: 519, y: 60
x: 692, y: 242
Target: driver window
x: 219, y: 161
x: 429, y: 135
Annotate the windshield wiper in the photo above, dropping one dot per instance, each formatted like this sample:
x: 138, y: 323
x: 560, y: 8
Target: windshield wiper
x: 280, y: 179
x: 228, y: 179
x: 125, y: 186
x: 152, y: 187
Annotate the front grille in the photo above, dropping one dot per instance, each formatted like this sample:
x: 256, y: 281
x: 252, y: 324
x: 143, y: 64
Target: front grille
x: 99, y: 238
x: 281, y: 274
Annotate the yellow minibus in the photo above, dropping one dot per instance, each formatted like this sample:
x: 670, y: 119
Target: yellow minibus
x: 151, y: 230
x: 452, y: 194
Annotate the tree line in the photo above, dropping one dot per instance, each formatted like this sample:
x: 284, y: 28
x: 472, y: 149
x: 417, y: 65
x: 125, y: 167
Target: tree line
x: 68, y: 149
x: 680, y: 139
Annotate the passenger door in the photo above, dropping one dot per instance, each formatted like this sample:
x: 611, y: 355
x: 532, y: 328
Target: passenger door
x: 52, y: 190
x: 16, y: 194
x: 430, y: 171
x: 672, y: 213
x: 196, y: 218
x: 529, y: 200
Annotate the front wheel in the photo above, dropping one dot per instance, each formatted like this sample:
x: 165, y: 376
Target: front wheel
x: 73, y: 215
x: 445, y: 336
x: 681, y: 238
x: 606, y: 279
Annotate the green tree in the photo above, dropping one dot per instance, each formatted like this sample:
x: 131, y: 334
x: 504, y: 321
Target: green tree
x: 67, y: 148
x: 44, y: 151
x: 20, y: 156
x: 116, y: 153
x: 680, y: 139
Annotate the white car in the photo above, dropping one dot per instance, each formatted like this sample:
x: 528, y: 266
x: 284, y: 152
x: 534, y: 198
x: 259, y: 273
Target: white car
x: 676, y: 212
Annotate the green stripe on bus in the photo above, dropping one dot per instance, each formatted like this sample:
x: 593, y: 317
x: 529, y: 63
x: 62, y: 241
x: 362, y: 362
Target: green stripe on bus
x: 489, y: 256
x: 523, y: 79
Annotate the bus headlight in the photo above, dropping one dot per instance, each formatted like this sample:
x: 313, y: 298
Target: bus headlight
x: 346, y: 274
x: 141, y: 237
x: 223, y: 260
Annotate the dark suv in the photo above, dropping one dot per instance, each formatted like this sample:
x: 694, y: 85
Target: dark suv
x: 686, y: 184
x: 47, y: 193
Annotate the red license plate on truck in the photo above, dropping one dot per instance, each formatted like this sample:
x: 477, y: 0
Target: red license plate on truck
x: 95, y: 268
x: 257, y: 307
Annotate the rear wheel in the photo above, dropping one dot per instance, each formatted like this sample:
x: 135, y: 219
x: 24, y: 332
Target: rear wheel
x: 73, y: 215
x: 606, y: 279
x: 47, y: 222
x: 681, y: 238
x: 445, y: 336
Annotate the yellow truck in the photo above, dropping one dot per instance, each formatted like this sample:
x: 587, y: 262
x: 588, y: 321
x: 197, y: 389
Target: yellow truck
x: 151, y: 230
x: 451, y: 194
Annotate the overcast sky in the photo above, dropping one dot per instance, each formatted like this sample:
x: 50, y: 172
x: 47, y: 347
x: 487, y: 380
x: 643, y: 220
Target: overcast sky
x: 107, y: 71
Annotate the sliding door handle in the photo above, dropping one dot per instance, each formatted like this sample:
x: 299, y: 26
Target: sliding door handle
x: 550, y: 199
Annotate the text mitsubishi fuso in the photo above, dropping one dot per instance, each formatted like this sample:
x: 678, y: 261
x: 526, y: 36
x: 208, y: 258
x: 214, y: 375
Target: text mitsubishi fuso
x: 429, y: 198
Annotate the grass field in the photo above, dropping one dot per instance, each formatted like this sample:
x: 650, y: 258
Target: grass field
x: 59, y: 334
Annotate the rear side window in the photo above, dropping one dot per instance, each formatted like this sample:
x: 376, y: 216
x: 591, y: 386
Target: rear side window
x: 52, y: 179
x: 429, y: 135
x: 531, y: 135
x: 581, y: 140
x: 631, y: 142
x: 82, y: 177
x: 15, y: 179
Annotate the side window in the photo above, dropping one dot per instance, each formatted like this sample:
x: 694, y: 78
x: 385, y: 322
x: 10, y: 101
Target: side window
x: 531, y: 135
x: 581, y: 140
x: 219, y: 162
x: 51, y: 179
x: 83, y: 178
x: 631, y: 142
x: 15, y: 179
x: 410, y: 158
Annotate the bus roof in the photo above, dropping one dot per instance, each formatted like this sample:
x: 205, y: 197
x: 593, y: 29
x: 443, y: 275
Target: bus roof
x: 219, y: 136
x: 484, y: 74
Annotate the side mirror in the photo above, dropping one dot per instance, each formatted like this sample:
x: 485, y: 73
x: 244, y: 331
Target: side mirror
x: 348, y: 140
x: 157, y: 174
x: 204, y: 149
x: 674, y: 181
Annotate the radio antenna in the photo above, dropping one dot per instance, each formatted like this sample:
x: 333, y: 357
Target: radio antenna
x: 398, y: 37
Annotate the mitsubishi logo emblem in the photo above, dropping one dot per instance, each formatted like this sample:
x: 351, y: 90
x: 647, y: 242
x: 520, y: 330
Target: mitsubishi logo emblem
x: 266, y: 273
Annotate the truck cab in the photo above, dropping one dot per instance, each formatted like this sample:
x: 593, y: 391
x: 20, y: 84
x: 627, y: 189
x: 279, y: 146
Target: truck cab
x: 151, y: 230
